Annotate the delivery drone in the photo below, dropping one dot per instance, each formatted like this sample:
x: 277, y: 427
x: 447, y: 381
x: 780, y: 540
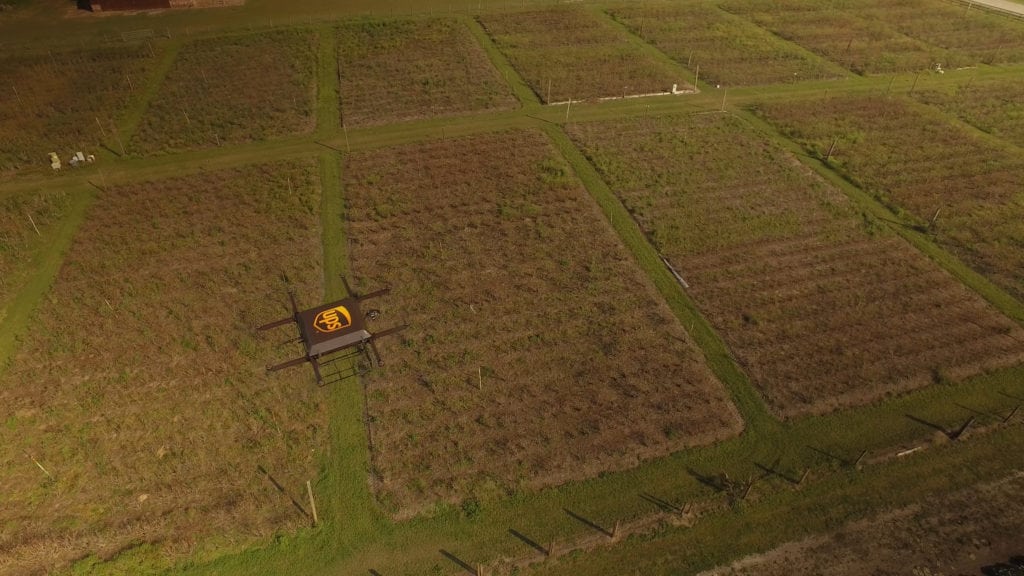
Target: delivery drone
x: 333, y: 327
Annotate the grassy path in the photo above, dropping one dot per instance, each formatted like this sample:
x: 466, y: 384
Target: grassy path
x: 328, y: 108
x: 46, y: 265
x: 132, y: 117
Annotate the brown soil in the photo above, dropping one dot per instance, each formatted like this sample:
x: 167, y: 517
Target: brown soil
x: 538, y: 352
x: 956, y: 534
x: 137, y: 409
x: 822, y: 308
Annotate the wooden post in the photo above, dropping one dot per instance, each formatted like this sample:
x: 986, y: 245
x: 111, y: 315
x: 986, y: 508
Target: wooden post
x: 724, y: 94
x: 696, y: 77
x: 615, y: 530
x: 187, y: 120
x: 118, y: 136
x: 18, y: 96
x: 345, y: 130
x: 33, y: 224
x: 831, y: 149
x: 45, y: 471
x: 102, y: 131
x: 549, y: 90
x: 551, y: 548
x: 567, y: 106
x: 856, y: 463
x: 130, y: 85
x: 890, y: 85
x: 914, y: 86
x: 1011, y: 414
x: 312, y: 502
x: 479, y: 378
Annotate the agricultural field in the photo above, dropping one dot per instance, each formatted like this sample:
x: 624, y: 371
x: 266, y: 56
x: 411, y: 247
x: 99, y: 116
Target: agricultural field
x: 400, y: 70
x: 728, y: 50
x: 961, y: 188
x: 840, y: 33
x: 232, y: 90
x: 27, y: 222
x: 137, y: 409
x: 64, y: 102
x: 533, y: 357
x: 975, y: 36
x: 994, y: 107
x: 567, y: 53
x: 955, y: 534
x: 824, y: 308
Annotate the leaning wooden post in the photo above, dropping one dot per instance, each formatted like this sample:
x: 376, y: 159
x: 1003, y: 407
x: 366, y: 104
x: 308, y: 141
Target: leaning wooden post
x: 856, y: 463
x: 831, y: 149
x: 312, y: 502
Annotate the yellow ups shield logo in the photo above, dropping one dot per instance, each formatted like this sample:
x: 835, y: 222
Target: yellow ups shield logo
x: 332, y: 319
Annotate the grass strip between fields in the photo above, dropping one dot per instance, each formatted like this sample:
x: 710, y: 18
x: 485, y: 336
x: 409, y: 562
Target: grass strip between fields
x: 328, y: 112
x: 900, y: 224
x: 520, y: 88
x: 755, y: 415
x: 46, y: 265
x: 132, y: 116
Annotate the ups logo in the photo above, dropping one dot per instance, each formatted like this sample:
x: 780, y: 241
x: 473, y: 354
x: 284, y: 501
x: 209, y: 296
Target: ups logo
x: 332, y: 319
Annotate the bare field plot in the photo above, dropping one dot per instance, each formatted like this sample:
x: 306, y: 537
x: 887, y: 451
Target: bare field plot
x: 140, y: 388
x: 538, y: 353
x: 727, y: 49
x: 567, y: 53
x: 64, y: 102
x: 231, y: 90
x: 839, y: 32
x: 965, y: 190
x: 974, y: 35
x: 823, y: 309
x: 412, y: 69
x: 27, y: 222
x: 994, y: 107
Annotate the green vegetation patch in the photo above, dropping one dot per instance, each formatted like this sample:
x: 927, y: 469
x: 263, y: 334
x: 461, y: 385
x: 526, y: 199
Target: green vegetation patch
x: 572, y: 54
x: 822, y: 307
x: 538, y: 352
x: 840, y: 32
x: 952, y: 182
x: 412, y: 69
x: 231, y: 90
x: 149, y: 416
x: 727, y: 50
x: 994, y: 107
x: 27, y: 223
x: 64, y: 102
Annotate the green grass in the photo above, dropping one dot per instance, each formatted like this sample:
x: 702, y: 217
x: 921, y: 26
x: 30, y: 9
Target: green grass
x: 44, y: 265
